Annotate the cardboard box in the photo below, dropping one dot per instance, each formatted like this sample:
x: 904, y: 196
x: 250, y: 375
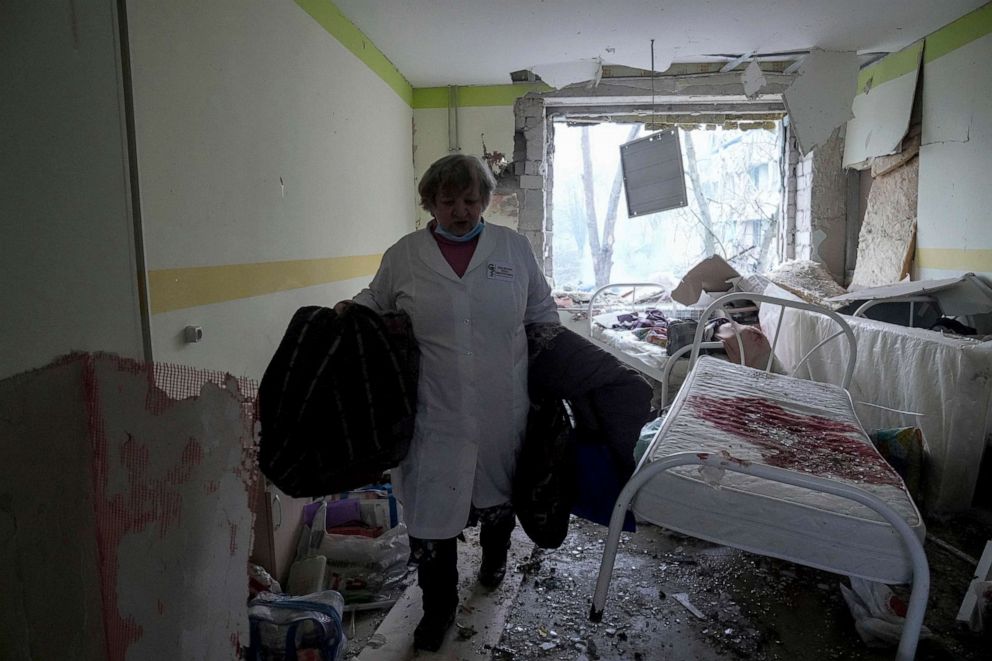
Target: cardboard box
x: 710, y: 275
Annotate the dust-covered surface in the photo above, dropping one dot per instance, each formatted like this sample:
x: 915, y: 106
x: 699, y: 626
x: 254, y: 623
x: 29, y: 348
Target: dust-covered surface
x: 888, y: 233
x: 806, y: 279
x: 751, y: 607
x: 360, y: 628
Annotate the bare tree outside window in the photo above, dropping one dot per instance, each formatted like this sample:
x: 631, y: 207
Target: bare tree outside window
x: 734, y: 197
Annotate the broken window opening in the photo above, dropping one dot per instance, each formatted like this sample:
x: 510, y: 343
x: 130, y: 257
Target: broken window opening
x: 734, y: 187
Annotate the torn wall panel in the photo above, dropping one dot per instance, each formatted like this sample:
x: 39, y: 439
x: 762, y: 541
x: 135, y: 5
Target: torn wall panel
x: 887, y: 239
x: 820, y: 100
x: 883, y: 106
x: 131, y: 510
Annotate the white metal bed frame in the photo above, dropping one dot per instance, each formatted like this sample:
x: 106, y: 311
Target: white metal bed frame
x: 664, y: 375
x: 647, y: 469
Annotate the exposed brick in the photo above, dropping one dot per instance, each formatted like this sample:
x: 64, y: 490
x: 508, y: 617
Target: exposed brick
x: 536, y: 134
x: 535, y: 167
x: 532, y: 182
x: 533, y: 201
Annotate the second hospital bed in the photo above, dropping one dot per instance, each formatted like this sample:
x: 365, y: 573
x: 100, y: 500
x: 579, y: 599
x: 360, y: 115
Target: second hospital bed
x: 778, y: 466
x: 653, y: 360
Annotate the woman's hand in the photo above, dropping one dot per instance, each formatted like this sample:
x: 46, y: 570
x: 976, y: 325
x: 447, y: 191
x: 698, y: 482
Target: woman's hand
x: 341, y: 306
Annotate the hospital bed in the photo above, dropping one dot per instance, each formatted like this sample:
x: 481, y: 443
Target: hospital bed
x: 779, y: 466
x: 650, y: 359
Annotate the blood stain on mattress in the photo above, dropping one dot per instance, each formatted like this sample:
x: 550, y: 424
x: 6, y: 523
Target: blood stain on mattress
x: 796, y: 441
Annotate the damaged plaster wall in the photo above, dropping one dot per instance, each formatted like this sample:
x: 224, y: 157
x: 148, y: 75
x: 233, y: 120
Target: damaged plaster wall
x: 532, y: 152
x: 886, y: 240
x: 955, y: 198
x: 791, y: 198
x: 124, y: 512
x: 275, y: 169
x: 707, y: 93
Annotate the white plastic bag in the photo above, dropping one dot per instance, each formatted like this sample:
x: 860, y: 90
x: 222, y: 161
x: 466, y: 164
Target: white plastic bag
x: 877, y: 612
x: 359, y: 567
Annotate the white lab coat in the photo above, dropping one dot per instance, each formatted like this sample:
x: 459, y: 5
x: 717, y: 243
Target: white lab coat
x: 472, y: 398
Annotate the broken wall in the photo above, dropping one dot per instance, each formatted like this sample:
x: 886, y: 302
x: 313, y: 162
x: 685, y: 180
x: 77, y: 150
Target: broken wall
x: 125, y: 512
x: 724, y: 93
x: 954, y: 233
x: 820, y: 205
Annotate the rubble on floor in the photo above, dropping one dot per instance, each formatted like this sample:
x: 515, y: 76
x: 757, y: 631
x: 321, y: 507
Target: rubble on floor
x: 675, y: 597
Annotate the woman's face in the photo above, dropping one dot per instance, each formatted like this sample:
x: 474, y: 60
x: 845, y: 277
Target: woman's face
x: 458, y: 212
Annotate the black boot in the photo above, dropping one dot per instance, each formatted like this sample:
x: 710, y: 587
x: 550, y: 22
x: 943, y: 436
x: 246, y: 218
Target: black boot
x: 494, y: 537
x: 437, y: 576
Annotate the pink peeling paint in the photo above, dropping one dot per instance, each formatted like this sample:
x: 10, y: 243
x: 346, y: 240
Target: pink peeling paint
x: 133, y: 492
x: 120, y: 632
x: 146, y: 501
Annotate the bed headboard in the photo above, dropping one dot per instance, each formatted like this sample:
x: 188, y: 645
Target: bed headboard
x: 844, y: 330
x: 634, y: 286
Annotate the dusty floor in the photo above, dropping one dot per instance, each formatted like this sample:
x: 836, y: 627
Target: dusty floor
x: 675, y: 597
x: 752, y: 607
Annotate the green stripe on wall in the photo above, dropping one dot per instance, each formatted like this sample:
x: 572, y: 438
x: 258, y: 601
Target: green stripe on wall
x: 953, y: 259
x: 339, y: 27
x: 963, y: 31
x: 952, y: 36
x: 474, y: 95
x: 177, y: 289
x: 891, y: 66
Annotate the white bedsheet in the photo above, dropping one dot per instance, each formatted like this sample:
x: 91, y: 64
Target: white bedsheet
x: 648, y: 359
x: 794, y: 424
x: 947, y: 381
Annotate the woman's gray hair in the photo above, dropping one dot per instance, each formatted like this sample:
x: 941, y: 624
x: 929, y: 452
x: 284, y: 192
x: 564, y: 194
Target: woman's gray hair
x: 455, y: 173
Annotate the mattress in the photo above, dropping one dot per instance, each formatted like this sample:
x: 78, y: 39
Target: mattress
x: 643, y: 356
x: 648, y: 359
x: 937, y: 383
x: 793, y: 424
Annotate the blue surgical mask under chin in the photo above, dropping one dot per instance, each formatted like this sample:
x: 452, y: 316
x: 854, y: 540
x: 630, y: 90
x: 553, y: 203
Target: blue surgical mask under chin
x: 468, y: 236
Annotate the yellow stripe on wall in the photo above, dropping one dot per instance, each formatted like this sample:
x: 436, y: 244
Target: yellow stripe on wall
x: 951, y: 37
x: 954, y: 259
x: 176, y: 289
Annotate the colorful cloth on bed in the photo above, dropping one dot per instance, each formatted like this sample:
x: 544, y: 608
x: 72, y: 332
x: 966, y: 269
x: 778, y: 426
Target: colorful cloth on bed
x: 649, y: 318
x: 655, y: 335
x: 650, y: 325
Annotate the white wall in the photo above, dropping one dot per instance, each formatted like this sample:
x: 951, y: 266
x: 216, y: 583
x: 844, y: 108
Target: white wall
x: 954, y: 223
x: 431, y: 138
x: 260, y: 139
x: 67, y: 263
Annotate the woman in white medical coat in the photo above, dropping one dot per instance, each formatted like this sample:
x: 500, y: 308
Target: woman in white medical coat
x: 469, y: 288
